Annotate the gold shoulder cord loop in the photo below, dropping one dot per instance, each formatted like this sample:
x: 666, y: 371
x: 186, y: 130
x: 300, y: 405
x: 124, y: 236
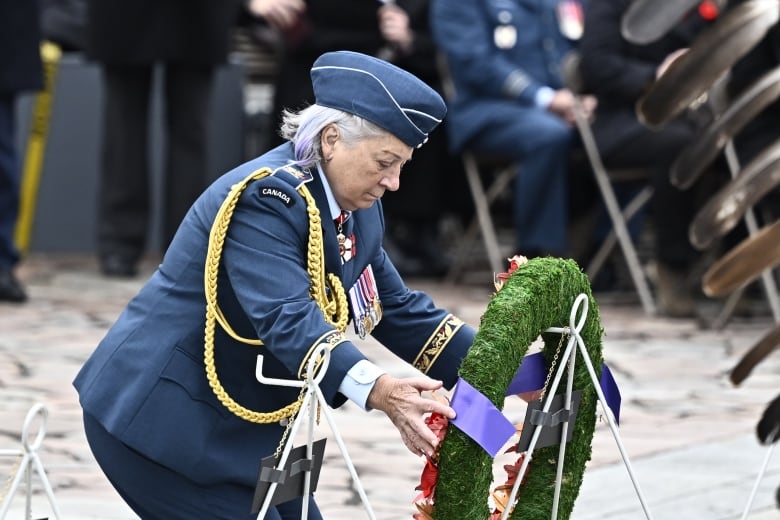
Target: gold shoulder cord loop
x: 328, y: 293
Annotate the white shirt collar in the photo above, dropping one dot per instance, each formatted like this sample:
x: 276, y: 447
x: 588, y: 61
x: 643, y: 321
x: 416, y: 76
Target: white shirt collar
x: 333, y: 206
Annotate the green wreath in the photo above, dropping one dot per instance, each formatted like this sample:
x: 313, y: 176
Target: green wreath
x: 537, y: 296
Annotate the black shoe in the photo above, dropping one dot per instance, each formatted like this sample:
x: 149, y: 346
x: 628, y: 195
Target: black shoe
x: 117, y: 266
x: 10, y: 288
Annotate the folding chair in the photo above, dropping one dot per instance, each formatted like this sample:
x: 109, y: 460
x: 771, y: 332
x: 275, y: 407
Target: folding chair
x: 606, y: 179
x: 499, y: 173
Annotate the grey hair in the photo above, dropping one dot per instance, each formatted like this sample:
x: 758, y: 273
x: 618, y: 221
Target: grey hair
x: 303, y: 129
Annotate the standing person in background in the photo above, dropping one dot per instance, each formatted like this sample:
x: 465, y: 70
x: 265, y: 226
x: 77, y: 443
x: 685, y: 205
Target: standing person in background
x: 619, y: 73
x: 397, y: 32
x: 20, y: 70
x: 505, y: 60
x: 190, y: 39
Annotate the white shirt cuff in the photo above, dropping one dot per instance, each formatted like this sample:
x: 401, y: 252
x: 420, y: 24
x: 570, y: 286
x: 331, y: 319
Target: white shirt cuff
x: 359, y: 382
x: 544, y: 97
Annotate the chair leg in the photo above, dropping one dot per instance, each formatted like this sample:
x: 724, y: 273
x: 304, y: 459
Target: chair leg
x: 463, y: 252
x: 629, y: 211
x: 481, y: 206
x: 483, y: 220
x: 615, y: 212
x: 624, y: 239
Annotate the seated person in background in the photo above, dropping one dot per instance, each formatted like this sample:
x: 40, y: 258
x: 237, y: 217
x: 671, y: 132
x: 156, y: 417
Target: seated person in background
x: 414, y: 214
x: 618, y: 73
x: 397, y: 32
x: 505, y: 61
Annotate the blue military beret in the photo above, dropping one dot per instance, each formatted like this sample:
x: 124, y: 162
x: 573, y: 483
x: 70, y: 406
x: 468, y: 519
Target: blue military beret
x: 378, y: 91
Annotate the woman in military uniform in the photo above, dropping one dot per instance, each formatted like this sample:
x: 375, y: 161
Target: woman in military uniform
x: 290, y: 248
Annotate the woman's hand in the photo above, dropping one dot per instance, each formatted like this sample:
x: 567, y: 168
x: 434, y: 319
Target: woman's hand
x: 395, y: 27
x: 281, y: 14
x: 562, y: 105
x: 402, y: 402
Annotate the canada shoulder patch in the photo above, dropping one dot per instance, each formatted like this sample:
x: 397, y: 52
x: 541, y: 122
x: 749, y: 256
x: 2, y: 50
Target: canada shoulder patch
x: 277, y: 193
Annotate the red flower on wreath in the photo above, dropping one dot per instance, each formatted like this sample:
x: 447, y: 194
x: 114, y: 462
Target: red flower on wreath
x: 430, y: 474
x: 425, y: 500
x: 502, y: 492
x: 514, y: 264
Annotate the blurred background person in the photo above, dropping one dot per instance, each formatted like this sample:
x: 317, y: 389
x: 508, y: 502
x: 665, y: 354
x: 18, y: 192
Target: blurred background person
x: 397, y: 32
x: 505, y: 60
x: 21, y: 70
x: 189, y: 40
x: 619, y: 73
x: 763, y: 129
x: 63, y: 22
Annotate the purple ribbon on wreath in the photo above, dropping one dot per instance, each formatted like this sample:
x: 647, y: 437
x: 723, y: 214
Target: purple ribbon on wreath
x: 479, y: 418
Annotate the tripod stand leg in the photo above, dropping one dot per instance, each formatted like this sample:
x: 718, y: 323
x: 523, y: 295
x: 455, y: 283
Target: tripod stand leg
x: 283, y: 459
x: 613, y: 428
x: 760, y: 477
x: 345, y: 455
x: 564, y: 436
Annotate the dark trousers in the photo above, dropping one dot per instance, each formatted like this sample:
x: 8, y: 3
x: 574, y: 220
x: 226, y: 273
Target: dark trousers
x: 672, y: 209
x: 155, y: 492
x: 541, y: 143
x: 9, y: 183
x: 125, y: 195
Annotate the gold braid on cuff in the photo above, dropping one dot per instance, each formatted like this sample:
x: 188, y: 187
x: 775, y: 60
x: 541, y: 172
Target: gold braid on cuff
x: 436, y: 343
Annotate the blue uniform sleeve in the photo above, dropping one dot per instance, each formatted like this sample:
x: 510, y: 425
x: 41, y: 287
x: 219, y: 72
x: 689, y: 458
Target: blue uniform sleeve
x: 464, y: 31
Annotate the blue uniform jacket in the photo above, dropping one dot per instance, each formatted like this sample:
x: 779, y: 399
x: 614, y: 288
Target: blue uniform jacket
x: 146, y: 382
x: 499, y: 53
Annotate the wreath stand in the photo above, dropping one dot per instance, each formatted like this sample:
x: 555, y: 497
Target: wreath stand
x: 760, y: 477
x: 313, y: 398
x: 28, y: 460
x: 580, y: 307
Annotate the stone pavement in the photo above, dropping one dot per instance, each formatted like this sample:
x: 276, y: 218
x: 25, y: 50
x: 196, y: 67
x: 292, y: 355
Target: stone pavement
x: 687, y: 432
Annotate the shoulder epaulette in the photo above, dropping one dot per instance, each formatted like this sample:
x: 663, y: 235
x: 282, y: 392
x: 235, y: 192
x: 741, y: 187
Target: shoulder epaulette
x: 294, y: 176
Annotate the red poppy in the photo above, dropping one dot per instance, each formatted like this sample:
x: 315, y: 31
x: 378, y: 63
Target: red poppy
x: 514, y: 263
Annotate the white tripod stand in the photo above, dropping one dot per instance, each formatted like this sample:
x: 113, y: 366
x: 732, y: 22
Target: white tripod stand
x: 29, y: 460
x: 312, y: 397
x: 580, y: 307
